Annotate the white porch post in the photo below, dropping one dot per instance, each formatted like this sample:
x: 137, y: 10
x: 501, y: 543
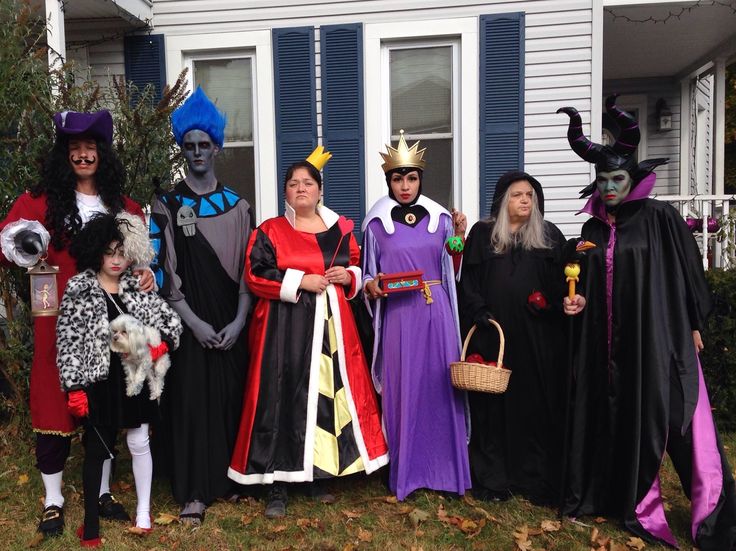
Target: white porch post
x: 55, y: 38
x: 684, y: 138
x: 719, y: 135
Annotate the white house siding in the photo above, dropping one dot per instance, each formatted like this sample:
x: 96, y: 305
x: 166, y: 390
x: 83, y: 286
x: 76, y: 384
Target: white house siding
x: 659, y: 144
x: 558, y: 65
x: 98, y: 44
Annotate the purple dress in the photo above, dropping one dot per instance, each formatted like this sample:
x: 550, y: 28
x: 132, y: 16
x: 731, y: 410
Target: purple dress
x: 424, y: 416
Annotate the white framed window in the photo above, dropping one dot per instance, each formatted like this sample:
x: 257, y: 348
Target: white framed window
x: 451, y: 47
x: 421, y: 98
x: 211, y: 51
x: 228, y: 78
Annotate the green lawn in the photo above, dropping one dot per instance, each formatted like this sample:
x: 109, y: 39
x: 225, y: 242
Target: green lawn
x: 364, y: 516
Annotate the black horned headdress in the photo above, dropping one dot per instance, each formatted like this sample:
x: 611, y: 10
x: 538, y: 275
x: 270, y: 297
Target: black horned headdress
x: 607, y: 158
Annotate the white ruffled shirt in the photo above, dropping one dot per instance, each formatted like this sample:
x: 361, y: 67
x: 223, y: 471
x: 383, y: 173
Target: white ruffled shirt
x: 89, y: 206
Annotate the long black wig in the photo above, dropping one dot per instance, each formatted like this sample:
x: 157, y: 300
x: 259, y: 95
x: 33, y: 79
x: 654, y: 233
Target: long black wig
x: 59, y: 183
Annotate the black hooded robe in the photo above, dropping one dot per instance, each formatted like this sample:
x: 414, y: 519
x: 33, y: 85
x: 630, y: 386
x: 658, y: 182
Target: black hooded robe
x: 639, y: 388
x: 516, y: 436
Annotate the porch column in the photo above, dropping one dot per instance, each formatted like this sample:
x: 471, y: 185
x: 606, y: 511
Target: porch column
x: 54, y: 10
x: 719, y: 134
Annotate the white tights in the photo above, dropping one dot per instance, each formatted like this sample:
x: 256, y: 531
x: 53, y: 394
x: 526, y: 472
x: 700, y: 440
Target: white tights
x: 140, y: 452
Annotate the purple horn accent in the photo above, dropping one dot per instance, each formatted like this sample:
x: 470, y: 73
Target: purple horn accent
x: 585, y: 149
x: 629, y: 136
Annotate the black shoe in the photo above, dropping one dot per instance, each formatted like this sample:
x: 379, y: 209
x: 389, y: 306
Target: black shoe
x: 52, y: 521
x: 111, y: 509
x: 277, y: 498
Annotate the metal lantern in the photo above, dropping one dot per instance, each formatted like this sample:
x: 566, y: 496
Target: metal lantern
x: 44, y: 289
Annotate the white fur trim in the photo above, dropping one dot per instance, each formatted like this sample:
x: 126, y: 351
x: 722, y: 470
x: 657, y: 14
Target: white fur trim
x: 290, y: 285
x: 357, y: 280
x: 329, y: 217
x: 12, y: 251
x: 383, y: 207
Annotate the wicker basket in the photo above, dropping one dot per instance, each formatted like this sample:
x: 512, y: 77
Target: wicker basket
x: 481, y: 377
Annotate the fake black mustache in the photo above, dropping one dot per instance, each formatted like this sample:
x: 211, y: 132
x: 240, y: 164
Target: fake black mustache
x: 91, y: 161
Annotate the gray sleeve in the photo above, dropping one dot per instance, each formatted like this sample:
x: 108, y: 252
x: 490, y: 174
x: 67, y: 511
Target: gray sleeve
x: 167, y: 254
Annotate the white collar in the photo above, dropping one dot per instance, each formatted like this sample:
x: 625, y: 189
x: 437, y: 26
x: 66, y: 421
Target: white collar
x: 383, y: 207
x: 329, y: 217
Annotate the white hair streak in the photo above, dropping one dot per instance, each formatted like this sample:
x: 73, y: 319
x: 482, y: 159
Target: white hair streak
x: 530, y: 235
x: 136, y: 243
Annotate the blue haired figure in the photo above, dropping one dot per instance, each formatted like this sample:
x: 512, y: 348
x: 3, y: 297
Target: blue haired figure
x: 200, y: 230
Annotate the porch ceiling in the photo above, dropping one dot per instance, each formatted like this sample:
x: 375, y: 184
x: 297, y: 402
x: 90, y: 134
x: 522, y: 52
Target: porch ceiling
x: 636, y: 48
x: 132, y: 12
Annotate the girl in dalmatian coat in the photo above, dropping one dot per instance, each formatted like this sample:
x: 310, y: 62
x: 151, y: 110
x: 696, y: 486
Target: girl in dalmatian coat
x: 94, y: 377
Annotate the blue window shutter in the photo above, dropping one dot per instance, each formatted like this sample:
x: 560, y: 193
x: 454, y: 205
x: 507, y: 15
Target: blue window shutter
x: 501, y: 100
x: 294, y: 90
x: 145, y: 63
x: 342, y: 119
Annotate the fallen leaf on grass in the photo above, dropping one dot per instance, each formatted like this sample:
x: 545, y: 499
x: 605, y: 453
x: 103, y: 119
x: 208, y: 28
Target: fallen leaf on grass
x: 404, y: 509
x: 417, y: 516
x: 593, y: 535
x: 636, y: 543
x: 120, y: 486
x: 246, y: 519
x: 308, y: 523
x: 551, y: 525
x: 486, y: 514
x: 418, y: 533
x: 22, y: 479
x: 278, y: 528
x: 136, y: 531
x: 391, y: 499
x: 365, y: 535
x: 599, y: 520
x: 165, y: 518
x: 36, y: 541
x: 349, y: 547
x: 521, y: 538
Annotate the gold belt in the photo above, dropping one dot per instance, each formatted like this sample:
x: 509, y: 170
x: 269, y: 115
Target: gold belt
x: 427, y: 292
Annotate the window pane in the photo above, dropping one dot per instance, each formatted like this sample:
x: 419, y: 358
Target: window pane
x: 229, y: 83
x: 437, y: 177
x: 234, y: 168
x: 421, y: 90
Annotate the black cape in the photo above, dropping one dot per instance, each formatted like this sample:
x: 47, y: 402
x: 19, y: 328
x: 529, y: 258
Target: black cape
x: 630, y: 397
x: 515, y: 438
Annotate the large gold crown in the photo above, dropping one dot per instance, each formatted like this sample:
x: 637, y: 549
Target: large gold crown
x: 319, y: 157
x: 403, y: 156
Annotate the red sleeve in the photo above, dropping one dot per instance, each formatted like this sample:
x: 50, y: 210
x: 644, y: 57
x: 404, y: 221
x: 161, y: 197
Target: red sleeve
x: 261, y: 271
x: 133, y: 208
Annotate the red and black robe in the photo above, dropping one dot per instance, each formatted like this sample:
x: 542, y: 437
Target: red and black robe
x: 309, y: 410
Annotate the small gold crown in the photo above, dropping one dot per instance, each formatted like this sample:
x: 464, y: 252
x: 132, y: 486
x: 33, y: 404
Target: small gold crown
x: 319, y: 157
x: 403, y: 156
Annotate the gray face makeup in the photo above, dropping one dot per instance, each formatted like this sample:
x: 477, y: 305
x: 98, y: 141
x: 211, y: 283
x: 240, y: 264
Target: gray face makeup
x: 199, y: 152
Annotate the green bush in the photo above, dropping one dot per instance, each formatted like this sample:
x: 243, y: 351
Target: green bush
x: 719, y: 356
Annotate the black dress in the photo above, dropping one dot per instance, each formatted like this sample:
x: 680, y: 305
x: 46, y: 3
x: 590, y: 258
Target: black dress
x: 515, y: 438
x: 109, y: 406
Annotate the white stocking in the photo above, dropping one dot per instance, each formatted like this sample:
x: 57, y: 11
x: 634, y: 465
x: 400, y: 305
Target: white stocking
x: 52, y: 485
x: 140, y: 452
x: 105, y: 478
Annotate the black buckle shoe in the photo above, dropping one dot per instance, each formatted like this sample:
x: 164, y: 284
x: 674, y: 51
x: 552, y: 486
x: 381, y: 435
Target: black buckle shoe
x: 52, y: 521
x: 111, y: 509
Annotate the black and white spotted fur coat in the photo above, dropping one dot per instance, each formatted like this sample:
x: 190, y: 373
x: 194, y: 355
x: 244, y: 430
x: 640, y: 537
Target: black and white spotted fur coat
x: 83, y: 331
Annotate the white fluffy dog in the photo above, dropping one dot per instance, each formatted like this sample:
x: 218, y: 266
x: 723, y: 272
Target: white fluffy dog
x: 130, y: 338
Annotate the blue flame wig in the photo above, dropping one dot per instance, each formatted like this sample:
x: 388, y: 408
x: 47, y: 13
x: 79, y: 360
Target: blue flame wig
x: 199, y: 113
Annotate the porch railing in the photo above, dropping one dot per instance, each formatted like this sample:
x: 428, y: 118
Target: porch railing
x: 712, y: 223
